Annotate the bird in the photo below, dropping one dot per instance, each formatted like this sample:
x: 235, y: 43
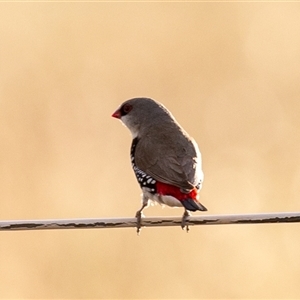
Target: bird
x: 166, y: 161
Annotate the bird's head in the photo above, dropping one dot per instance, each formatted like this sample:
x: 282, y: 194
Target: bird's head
x: 140, y: 114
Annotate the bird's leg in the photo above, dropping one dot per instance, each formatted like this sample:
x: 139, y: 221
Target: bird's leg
x: 186, y: 214
x: 139, y: 214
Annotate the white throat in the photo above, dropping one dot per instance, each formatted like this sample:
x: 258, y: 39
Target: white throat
x: 132, y: 127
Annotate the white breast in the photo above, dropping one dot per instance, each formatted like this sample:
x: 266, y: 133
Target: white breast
x: 164, y: 200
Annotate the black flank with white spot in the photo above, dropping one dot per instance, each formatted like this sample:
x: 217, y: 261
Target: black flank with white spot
x: 143, y: 179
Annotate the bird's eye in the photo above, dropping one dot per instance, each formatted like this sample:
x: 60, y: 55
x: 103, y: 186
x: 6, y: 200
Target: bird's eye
x: 126, y: 109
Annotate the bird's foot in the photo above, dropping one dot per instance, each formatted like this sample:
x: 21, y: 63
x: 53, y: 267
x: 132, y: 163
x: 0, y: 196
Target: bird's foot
x: 139, y: 215
x: 183, y: 221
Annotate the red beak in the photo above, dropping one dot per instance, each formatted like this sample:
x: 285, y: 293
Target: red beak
x: 117, y: 114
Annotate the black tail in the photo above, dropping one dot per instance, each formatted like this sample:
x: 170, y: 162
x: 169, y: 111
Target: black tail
x: 193, y: 205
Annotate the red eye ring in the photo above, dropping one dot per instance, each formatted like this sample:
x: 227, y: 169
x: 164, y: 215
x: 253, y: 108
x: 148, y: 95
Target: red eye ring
x: 127, y: 108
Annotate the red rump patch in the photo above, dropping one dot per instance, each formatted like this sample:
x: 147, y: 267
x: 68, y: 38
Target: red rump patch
x: 171, y: 190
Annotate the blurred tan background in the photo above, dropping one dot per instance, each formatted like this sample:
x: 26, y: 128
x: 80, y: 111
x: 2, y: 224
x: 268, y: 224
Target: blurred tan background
x: 229, y: 72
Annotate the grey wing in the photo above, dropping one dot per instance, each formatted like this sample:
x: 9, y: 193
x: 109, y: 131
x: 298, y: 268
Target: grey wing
x: 172, y: 162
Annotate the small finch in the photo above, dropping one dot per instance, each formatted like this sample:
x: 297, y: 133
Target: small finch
x: 165, y: 159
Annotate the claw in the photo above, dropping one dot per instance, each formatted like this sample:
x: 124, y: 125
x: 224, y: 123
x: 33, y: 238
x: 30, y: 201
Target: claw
x: 139, y: 215
x: 183, y: 221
